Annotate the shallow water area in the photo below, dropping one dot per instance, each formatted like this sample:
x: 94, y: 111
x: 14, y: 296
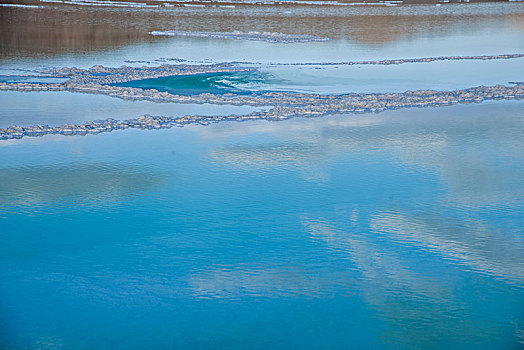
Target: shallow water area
x: 122, y: 38
x: 239, y: 83
x: 441, y: 75
x: 122, y: 34
x: 401, y: 229
x: 332, y: 78
x: 56, y: 108
x: 30, y: 79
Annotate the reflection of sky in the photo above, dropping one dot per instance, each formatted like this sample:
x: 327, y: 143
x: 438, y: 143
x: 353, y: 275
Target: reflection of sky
x: 262, y: 282
x: 444, y: 75
x: 411, y: 297
x: 402, y: 228
x: 90, y: 184
x: 360, y: 33
x: 477, y: 164
x: 57, y: 108
x: 218, y: 50
x: 472, y: 224
x: 470, y: 242
x: 343, y: 228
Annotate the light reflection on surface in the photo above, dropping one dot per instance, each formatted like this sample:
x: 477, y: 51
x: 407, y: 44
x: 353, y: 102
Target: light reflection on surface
x: 55, y: 29
x: 470, y: 161
x: 34, y: 186
x: 327, y: 231
x: 57, y: 108
x: 470, y: 242
x: 70, y: 37
x: 399, y: 229
x: 411, y: 301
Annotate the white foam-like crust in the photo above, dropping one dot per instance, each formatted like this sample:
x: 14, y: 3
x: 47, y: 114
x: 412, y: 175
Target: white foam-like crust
x: 21, y: 6
x: 283, y: 105
x: 251, y: 36
x: 100, y: 3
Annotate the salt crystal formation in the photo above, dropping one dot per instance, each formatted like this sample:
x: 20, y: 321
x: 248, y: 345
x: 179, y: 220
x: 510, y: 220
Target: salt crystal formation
x: 281, y: 105
x: 251, y: 36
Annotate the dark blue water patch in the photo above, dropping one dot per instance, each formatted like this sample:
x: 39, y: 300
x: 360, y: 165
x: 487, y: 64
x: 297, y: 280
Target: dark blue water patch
x: 214, y: 83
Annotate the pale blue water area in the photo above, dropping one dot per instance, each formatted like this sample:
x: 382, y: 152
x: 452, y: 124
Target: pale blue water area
x: 392, y: 32
x: 505, y: 40
x: 30, y: 79
x: 377, y: 33
x: 440, y: 75
x: 59, y: 107
x: 394, y: 230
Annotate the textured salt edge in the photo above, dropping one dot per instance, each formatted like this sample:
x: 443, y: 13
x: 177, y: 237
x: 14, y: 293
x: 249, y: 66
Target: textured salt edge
x: 22, y: 6
x: 101, y: 3
x: 408, y: 60
x: 304, y: 105
x: 97, y: 80
x: 250, y: 36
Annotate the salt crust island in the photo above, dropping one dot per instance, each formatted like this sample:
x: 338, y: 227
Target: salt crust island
x: 281, y: 105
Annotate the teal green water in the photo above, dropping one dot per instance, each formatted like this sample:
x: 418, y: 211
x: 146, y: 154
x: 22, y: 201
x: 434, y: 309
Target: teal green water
x: 445, y: 75
x: 213, y: 83
x: 394, y: 230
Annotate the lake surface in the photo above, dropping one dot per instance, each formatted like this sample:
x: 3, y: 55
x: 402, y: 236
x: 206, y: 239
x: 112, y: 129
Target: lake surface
x: 57, y: 107
x: 401, y: 229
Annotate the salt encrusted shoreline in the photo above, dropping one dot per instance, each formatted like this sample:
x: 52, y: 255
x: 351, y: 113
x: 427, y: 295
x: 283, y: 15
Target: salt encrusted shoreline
x: 100, y: 75
x: 311, y: 105
x: 98, y: 79
x: 408, y: 60
x: 282, y: 105
x: 108, y: 75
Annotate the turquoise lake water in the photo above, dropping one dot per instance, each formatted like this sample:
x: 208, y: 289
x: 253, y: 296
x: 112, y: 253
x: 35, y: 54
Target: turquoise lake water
x: 446, y: 75
x: 394, y: 230
x: 211, y: 83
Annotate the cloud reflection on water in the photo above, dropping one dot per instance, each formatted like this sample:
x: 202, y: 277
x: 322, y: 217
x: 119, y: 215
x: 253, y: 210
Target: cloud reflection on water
x: 260, y: 282
x: 474, y: 149
x: 90, y: 184
x: 411, y: 299
x: 472, y: 152
x: 472, y: 243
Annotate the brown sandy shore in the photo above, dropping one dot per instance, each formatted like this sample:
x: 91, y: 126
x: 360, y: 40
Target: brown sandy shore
x: 241, y: 3
x: 50, y: 28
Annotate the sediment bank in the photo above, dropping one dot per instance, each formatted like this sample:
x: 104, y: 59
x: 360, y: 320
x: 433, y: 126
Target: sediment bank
x: 303, y: 106
x: 281, y: 105
x: 111, y: 75
x: 408, y: 60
